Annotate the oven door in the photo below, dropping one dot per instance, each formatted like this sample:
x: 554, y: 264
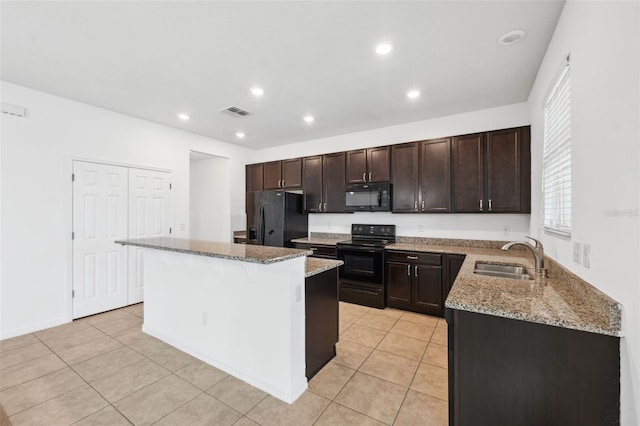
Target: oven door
x: 361, y: 264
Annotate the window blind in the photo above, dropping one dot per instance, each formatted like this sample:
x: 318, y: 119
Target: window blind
x: 557, y: 155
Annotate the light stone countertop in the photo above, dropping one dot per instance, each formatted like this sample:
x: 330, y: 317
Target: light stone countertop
x: 319, y: 241
x: 316, y: 265
x: 562, y: 299
x: 240, y: 252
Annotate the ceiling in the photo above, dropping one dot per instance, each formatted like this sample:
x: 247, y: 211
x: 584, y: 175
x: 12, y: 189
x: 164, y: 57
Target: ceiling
x: 153, y: 60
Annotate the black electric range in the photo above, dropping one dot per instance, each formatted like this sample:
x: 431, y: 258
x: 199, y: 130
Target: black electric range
x: 362, y: 276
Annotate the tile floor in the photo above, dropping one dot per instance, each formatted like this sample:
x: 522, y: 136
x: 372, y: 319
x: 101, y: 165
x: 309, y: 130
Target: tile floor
x: 390, y: 368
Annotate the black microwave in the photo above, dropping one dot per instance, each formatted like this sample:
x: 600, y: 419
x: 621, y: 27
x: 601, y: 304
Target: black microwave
x: 367, y: 197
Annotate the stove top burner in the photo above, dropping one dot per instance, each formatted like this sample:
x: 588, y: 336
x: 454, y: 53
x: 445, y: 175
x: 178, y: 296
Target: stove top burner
x: 371, y: 235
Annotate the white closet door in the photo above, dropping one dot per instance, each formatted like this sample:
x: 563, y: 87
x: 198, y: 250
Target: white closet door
x: 99, y: 218
x: 149, y: 216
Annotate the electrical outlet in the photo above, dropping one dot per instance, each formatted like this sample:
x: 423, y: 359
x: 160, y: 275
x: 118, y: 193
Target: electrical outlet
x: 586, y: 254
x: 506, y: 230
x: 577, y: 252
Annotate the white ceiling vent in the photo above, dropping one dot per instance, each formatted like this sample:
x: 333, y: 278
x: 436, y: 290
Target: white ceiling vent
x: 235, y: 111
x: 18, y: 111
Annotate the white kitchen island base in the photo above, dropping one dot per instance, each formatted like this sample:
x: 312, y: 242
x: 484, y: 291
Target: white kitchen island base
x: 247, y: 319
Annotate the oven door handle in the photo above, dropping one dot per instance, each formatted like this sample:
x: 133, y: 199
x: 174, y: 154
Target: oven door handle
x: 358, y: 250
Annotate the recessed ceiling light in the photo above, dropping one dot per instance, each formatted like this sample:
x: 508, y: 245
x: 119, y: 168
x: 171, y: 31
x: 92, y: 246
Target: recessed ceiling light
x: 412, y: 94
x: 511, y: 37
x: 309, y: 118
x: 384, y: 48
x: 257, y: 91
x: 183, y: 117
x: 240, y: 135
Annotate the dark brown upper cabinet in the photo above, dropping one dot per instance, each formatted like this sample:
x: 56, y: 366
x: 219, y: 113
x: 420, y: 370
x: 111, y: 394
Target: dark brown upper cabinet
x: 285, y: 174
x: 435, y: 175
x: 254, y: 177
x: 492, y: 172
x: 324, y: 177
x: 422, y: 176
x: 368, y: 165
x: 404, y: 167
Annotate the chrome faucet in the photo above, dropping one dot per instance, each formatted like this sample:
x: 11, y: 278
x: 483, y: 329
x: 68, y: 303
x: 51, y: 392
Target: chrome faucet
x: 537, y: 250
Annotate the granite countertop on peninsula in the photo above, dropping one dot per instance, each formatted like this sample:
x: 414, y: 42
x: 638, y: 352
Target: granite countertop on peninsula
x: 316, y: 265
x: 562, y: 299
x: 240, y: 252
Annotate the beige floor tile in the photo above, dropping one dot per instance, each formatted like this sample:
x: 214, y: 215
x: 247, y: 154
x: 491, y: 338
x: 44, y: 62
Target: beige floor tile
x: 237, y: 394
x: 203, y: 410
x: 153, y: 402
x: 173, y: 359
x: 140, y: 342
x: 89, y: 350
x: 21, y: 373
x: 377, y: 321
x: 394, y: 368
x: 431, y: 380
x: 352, y: 308
x: 108, y: 363
x: 351, y: 354
x: 64, y: 409
x: 363, y: 335
x: 106, y: 317
x: 440, y: 335
x: 330, y: 380
x: 245, y: 421
x: 413, y: 329
x: 407, y: 347
x: 391, y: 312
x: 344, y: 326
x: 137, y: 309
x: 201, y: 374
x: 61, y: 342
x: 119, y: 324
x: 336, y: 415
x: 424, y: 410
x: 372, y: 396
x: 61, y: 331
x: 25, y: 353
x: 349, y: 317
x: 34, y: 392
x: 436, y: 355
x: 108, y: 416
x: 17, y: 342
x: 304, y: 411
x: 420, y: 318
x: 129, y: 379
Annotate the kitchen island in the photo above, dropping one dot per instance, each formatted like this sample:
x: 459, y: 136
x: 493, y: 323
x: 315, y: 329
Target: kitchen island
x: 238, y: 307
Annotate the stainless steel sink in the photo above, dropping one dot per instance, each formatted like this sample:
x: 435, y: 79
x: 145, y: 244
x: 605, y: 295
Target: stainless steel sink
x: 517, y: 272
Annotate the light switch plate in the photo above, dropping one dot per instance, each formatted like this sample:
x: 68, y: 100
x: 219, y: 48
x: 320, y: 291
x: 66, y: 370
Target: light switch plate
x: 586, y: 255
x: 577, y: 252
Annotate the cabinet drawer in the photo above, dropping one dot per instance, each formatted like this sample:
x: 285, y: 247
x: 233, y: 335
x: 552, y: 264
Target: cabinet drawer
x: 415, y: 257
x: 328, y: 252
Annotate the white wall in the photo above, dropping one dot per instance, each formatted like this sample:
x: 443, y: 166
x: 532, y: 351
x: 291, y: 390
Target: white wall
x: 210, y: 199
x: 604, y: 42
x: 474, y: 226
x: 36, y: 192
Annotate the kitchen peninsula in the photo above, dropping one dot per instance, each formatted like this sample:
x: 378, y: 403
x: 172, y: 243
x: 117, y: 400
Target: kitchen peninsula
x: 238, y: 307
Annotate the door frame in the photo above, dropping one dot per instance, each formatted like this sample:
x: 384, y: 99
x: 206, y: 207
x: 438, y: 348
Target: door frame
x: 69, y: 160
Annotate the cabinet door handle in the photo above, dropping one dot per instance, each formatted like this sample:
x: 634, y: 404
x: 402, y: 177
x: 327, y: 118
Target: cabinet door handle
x: 480, y: 205
x: 364, y: 177
x: 325, y: 207
x: 369, y: 176
x: 412, y: 257
x: 415, y: 270
x: 489, y: 204
x: 282, y: 183
x: 320, y: 207
x: 313, y: 248
x: 409, y: 270
x: 422, y: 205
x: 415, y: 205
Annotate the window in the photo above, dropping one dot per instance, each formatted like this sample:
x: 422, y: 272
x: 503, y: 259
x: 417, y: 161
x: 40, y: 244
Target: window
x: 556, y: 179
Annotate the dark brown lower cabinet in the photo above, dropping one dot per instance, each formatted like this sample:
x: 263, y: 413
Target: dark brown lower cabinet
x: 321, y: 323
x: 319, y: 250
x: 509, y: 372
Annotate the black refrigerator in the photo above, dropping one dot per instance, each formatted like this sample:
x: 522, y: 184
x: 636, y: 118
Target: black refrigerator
x: 274, y: 218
